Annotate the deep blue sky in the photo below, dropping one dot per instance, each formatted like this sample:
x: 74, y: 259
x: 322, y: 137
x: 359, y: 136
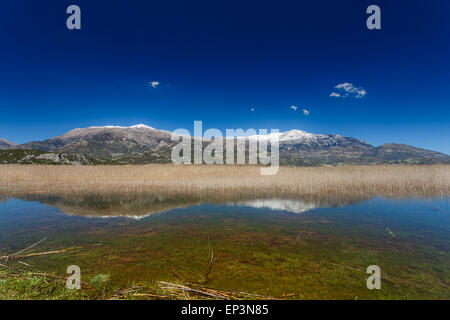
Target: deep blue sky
x: 217, y: 59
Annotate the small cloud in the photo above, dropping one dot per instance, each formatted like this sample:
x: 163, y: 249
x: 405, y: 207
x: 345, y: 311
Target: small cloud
x: 306, y: 112
x: 294, y: 108
x: 361, y: 93
x: 347, y: 89
x: 154, y: 84
x: 252, y: 109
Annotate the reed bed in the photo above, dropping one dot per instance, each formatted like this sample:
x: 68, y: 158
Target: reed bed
x: 209, y: 181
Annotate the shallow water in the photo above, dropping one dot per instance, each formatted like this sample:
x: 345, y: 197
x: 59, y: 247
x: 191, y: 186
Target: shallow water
x: 286, y: 248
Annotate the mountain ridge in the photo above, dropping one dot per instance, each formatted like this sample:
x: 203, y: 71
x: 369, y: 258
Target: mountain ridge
x: 106, y: 142
x: 5, y: 144
x: 144, y: 144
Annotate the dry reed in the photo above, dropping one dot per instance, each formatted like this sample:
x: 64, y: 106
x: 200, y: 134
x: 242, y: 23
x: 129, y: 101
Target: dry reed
x: 203, y: 181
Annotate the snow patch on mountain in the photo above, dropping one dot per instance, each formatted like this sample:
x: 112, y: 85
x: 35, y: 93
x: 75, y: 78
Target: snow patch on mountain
x: 284, y: 136
x: 136, y: 126
x: 142, y: 126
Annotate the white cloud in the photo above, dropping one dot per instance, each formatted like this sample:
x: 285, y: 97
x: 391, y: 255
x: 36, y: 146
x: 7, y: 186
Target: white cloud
x: 294, y: 108
x: 347, y: 89
x: 306, y: 112
x: 154, y: 84
x: 361, y: 93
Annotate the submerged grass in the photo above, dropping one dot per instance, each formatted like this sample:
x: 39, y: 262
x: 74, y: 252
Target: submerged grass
x: 279, y: 255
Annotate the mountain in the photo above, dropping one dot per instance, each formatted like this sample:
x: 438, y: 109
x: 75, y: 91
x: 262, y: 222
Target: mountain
x: 299, y: 148
x: 143, y: 144
x: 392, y: 152
x: 108, y: 142
x: 5, y: 144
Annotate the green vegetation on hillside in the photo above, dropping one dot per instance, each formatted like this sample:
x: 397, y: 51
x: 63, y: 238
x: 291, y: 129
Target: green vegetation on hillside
x: 29, y: 156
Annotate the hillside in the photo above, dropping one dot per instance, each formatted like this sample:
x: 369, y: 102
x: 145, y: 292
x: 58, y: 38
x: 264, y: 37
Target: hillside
x: 25, y: 156
x: 5, y: 144
x: 142, y: 144
x: 105, y: 142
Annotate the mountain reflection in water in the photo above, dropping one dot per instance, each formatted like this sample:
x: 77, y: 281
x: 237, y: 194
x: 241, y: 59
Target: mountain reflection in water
x: 140, y: 205
x: 270, y: 246
x: 290, y: 205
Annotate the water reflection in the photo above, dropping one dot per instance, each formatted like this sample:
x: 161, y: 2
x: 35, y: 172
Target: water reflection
x: 139, y: 205
x: 267, y: 246
x: 290, y: 205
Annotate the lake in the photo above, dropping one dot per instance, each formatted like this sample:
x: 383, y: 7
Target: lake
x: 283, y: 248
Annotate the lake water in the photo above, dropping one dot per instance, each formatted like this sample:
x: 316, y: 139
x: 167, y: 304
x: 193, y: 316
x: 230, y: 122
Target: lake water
x: 285, y: 248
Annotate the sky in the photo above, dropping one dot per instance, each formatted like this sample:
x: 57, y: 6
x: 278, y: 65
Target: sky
x: 231, y: 64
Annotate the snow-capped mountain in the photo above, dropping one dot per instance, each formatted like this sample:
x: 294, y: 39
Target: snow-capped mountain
x: 144, y: 144
x: 106, y: 141
x: 292, y: 135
